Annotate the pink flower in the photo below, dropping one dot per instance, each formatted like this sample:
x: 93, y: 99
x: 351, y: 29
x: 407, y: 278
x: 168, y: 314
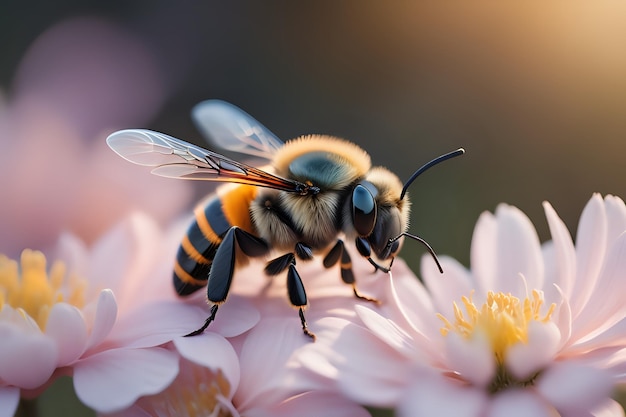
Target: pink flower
x: 79, y: 80
x: 255, y: 373
x: 101, y: 316
x: 529, y: 330
x: 254, y: 378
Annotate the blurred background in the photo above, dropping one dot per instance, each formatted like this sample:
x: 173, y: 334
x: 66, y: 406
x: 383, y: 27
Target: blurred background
x: 535, y: 92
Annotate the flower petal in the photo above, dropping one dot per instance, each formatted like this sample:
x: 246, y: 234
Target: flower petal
x: 517, y: 252
x: 103, y: 318
x: 236, y: 316
x: 342, y: 360
x: 483, y: 250
x: 607, y: 304
x: 519, y: 403
x: 431, y: 395
x: 386, y: 330
x: 222, y: 355
x: 564, y: 256
x: 155, y: 323
x: 471, y: 358
x: 616, y: 217
x: 448, y: 288
x: 525, y: 359
x: 609, y: 408
x: 67, y: 328
x: 590, y: 250
x: 318, y: 403
x: 27, y: 358
x: 574, y: 387
x: 113, y: 380
x: 9, y: 400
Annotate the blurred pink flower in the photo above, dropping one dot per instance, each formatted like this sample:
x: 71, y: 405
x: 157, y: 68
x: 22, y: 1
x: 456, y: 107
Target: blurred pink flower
x: 102, y: 316
x: 530, y: 330
x: 80, y: 80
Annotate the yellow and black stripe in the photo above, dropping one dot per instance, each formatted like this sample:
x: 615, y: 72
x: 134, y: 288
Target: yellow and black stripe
x: 204, y: 236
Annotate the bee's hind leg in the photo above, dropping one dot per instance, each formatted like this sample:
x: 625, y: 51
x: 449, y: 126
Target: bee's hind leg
x: 223, y: 267
x: 337, y: 253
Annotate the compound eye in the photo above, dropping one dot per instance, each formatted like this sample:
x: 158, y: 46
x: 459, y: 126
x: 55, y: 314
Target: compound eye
x: 363, y: 210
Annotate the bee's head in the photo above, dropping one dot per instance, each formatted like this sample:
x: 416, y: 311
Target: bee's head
x: 379, y: 211
x: 378, y: 215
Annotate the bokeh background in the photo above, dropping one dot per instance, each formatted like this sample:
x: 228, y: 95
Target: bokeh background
x: 534, y: 91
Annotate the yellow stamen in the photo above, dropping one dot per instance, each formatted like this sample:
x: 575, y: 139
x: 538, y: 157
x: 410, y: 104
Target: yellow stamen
x: 28, y: 288
x: 194, y: 393
x: 503, y: 318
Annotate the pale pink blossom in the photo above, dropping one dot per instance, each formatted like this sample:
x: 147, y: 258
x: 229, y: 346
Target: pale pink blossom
x: 529, y: 330
x: 102, y: 315
x: 252, y: 377
x: 255, y: 373
x: 78, y: 81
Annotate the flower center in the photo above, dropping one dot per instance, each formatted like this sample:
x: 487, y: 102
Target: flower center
x: 32, y: 291
x: 503, y: 319
x: 196, y: 392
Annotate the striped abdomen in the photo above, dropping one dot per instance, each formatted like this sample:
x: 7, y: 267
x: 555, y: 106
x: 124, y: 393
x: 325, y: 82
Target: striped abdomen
x: 212, y: 221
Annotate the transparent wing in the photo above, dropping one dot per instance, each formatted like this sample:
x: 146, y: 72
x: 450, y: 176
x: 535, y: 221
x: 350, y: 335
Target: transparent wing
x: 175, y: 158
x: 230, y: 128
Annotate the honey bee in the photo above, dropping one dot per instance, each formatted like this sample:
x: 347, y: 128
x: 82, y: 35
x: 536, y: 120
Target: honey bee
x: 317, y: 189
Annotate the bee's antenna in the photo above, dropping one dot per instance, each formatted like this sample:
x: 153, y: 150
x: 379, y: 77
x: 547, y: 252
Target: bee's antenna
x: 435, y: 161
x: 423, y: 242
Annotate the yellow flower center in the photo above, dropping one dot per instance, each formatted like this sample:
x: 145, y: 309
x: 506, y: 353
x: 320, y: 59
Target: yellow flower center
x: 503, y: 319
x: 32, y: 291
x: 196, y: 392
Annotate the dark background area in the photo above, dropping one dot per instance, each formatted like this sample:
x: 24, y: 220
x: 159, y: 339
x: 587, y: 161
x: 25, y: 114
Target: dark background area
x: 535, y: 92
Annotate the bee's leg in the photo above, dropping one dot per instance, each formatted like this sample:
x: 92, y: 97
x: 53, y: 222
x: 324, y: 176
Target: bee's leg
x: 347, y: 275
x: 297, y: 296
x: 295, y: 287
x: 223, y: 267
x: 364, y: 249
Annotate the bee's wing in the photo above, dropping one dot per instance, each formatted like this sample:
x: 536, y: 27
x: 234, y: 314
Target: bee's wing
x: 228, y: 127
x: 175, y: 158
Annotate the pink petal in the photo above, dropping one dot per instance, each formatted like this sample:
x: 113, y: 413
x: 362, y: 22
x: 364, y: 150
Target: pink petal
x: 570, y: 386
x: 431, y: 395
x: 222, y: 355
x: 472, y: 359
x: 448, y: 288
x: 316, y: 403
x: 155, y: 323
x: 27, y: 358
x: 590, y: 250
x: 609, y: 408
x: 616, y: 217
x: 483, y: 250
x: 236, y: 316
x: 606, y: 306
x: 66, y: 327
x: 564, y: 255
x: 113, y: 380
x: 9, y: 400
x: 517, y: 252
x: 525, y: 359
x: 386, y: 330
x: 343, y: 360
x: 410, y: 305
x: 519, y: 403
x: 103, y: 318
x: 266, y: 355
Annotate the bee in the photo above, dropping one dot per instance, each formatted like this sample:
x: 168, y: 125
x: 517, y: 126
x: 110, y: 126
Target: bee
x: 318, y: 189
